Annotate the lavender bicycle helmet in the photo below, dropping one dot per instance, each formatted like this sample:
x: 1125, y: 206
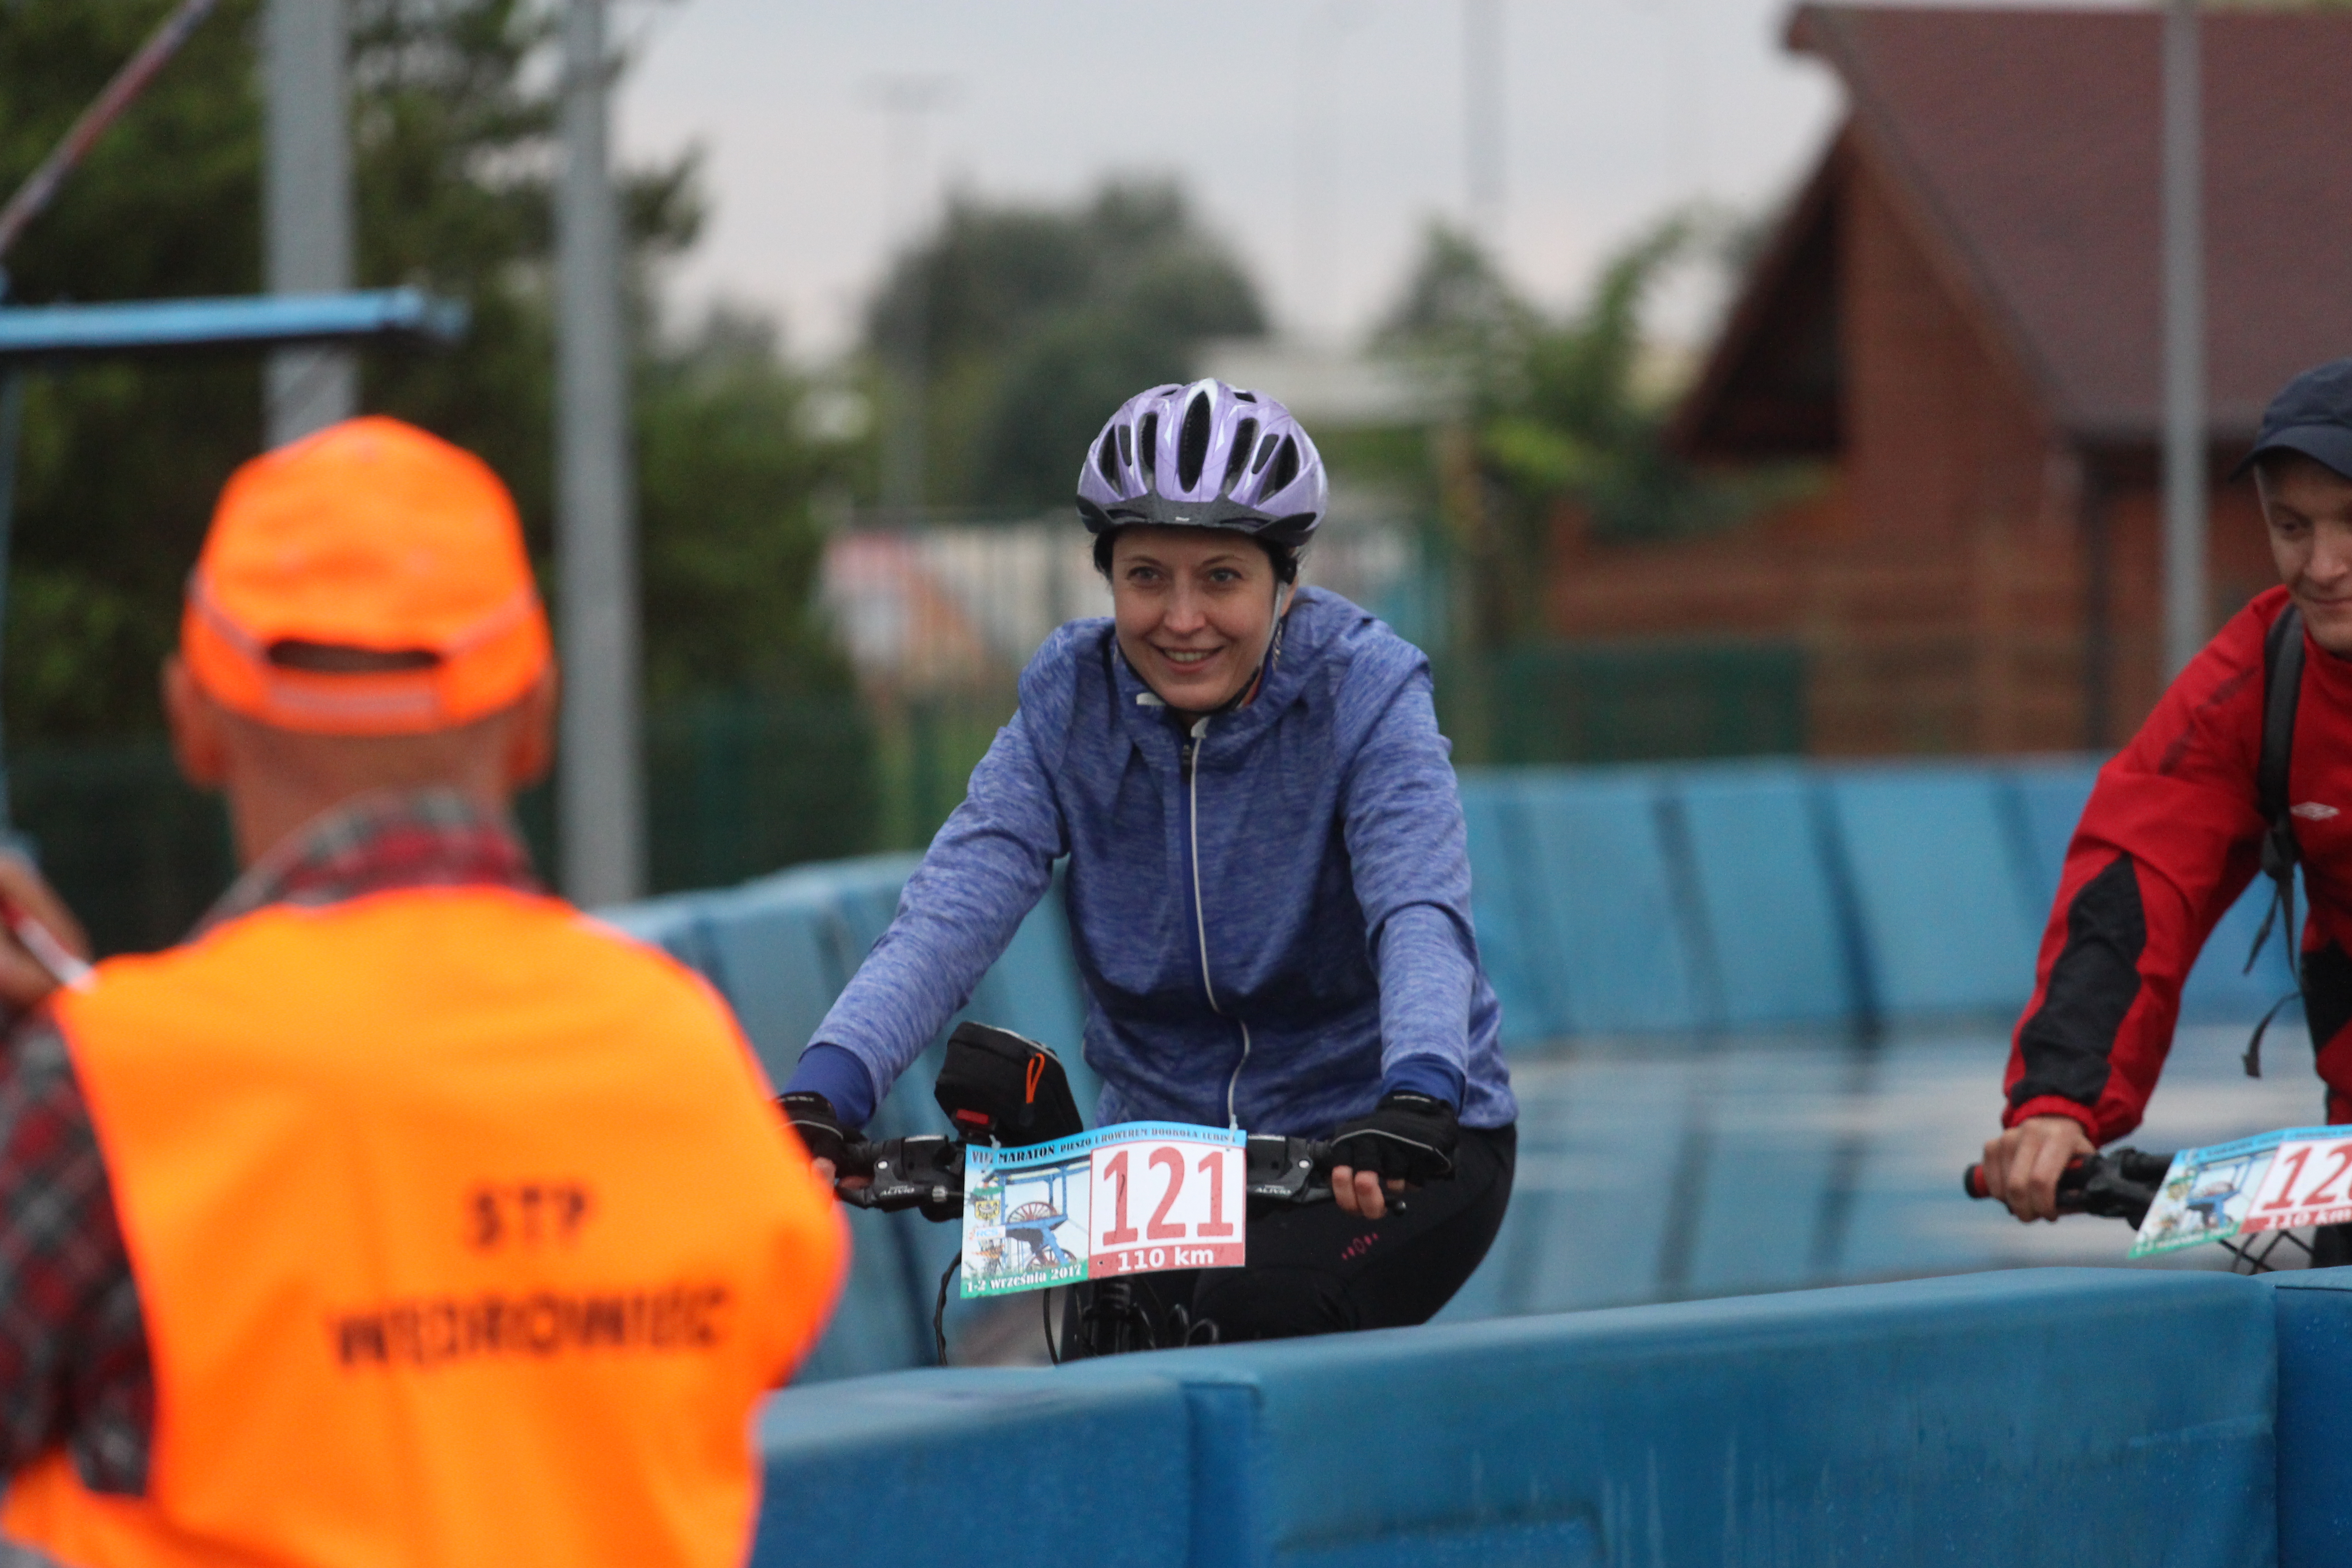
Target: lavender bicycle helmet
x: 1205, y: 456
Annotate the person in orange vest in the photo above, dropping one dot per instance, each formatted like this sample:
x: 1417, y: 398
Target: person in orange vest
x: 404, y: 1214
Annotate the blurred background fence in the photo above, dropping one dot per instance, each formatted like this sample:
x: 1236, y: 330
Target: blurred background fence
x: 936, y: 619
x: 737, y: 786
x: 1637, y: 701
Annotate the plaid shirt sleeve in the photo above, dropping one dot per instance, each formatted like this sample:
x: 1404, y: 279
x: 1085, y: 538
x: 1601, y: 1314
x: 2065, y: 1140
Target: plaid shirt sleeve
x: 74, y: 1369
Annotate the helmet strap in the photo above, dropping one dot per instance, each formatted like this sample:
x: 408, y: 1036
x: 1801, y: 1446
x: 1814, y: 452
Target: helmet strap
x: 1282, y: 603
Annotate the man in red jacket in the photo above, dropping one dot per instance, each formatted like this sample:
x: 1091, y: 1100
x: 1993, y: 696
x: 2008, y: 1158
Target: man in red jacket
x: 2173, y: 832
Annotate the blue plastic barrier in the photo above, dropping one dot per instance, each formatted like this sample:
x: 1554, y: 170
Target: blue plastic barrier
x: 1515, y: 964
x: 2314, y: 1417
x: 2009, y: 1418
x: 964, y: 1466
x: 865, y: 893
x: 2219, y: 987
x: 1034, y: 990
x: 2050, y: 794
x: 1948, y: 914
x: 773, y: 955
x: 883, y: 1321
x: 1774, y: 931
x: 673, y: 923
x: 1912, y: 1423
x: 1608, y: 900
x: 1599, y: 879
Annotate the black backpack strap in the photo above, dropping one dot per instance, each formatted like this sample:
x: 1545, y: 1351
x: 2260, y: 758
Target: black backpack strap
x: 2282, y: 686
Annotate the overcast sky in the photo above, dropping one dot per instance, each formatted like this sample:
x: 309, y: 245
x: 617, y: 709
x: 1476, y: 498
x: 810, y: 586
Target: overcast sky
x: 1317, y: 135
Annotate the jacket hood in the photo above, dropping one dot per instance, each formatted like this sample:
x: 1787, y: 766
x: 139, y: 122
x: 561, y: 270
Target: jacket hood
x: 1315, y: 620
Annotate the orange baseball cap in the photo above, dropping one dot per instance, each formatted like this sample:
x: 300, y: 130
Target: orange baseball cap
x: 368, y: 535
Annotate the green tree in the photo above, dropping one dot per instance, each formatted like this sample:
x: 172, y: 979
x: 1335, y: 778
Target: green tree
x: 756, y: 752
x: 452, y: 139
x: 1036, y: 323
x: 727, y: 482
x: 120, y: 460
x: 1561, y: 419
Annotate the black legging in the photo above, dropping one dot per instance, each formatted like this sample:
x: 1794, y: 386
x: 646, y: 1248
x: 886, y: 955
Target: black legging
x: 1316, y: 1268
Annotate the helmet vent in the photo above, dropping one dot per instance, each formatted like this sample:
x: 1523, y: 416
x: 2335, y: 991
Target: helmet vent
x: 1246, y: 396
x: 1243, y: 439
x: 1126, y: 445
x: 1193, y: 448
x: 1107, y: 459
x: 1146, y: 446
x: 1265, y: 450
x: 1285, y: 469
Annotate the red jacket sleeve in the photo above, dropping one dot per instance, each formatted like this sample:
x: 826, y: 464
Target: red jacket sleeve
x: 2169, y: 840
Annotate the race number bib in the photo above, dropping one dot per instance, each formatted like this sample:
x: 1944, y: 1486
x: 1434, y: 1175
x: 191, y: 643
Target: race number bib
x: 2309, y: 1182
x: 2273, y: 1181
x: 1131, y: 1199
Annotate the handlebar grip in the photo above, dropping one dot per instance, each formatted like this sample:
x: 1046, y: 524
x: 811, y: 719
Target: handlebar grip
x: 2078, y: 1174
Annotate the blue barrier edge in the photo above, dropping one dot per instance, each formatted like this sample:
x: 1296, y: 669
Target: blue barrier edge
x: 2314, y: 1417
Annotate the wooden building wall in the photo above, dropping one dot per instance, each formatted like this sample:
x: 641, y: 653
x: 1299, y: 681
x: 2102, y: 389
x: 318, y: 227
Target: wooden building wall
x: 1945, y: 579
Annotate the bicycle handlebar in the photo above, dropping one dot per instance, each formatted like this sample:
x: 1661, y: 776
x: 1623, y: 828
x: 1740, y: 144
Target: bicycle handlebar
x: 923, y: 1172
x: 2121, y: 1186
x: 926, y: 1171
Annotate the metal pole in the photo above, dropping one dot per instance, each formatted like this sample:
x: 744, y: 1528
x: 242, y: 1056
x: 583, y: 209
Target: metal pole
x: 600, y: 788
x: 2185, y: 476
x: 41, y: 185
x: 1482, y: 121
x: 308, y: 200
x: 12, y: 429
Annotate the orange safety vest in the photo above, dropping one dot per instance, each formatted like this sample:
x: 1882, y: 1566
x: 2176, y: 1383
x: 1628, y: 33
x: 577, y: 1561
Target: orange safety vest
x: 464, y: 1231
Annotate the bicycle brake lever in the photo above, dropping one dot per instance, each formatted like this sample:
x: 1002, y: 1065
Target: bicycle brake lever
x: 1286, y: 1170
x: 923, y: 1172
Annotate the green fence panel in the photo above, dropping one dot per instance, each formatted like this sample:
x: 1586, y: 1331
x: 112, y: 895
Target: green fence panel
x: 737, y: 786
x: 135, y: 851
x: 1639, y: 701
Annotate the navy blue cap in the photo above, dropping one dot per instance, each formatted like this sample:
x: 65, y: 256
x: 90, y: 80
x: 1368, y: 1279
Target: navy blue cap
x: 2313, y: 415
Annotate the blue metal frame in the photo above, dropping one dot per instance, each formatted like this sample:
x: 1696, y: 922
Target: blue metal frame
x: 63, y: 331
x: 31, y: 335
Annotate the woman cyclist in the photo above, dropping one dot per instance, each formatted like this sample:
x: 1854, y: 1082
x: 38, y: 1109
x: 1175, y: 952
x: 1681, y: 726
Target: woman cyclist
x: 1269, y: 893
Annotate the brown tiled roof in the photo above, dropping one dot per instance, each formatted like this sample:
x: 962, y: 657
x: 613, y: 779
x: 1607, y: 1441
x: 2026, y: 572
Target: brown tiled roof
x: 2028, y: 145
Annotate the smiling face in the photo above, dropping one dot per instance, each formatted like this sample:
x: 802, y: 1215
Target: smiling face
x: 2308, y: 507
x: 1195, y: 610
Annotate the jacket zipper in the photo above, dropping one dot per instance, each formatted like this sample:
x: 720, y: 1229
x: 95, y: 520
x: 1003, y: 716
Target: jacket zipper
x: 1200, y: 914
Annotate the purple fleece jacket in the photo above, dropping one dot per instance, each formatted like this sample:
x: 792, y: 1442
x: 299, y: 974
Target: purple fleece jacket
x: 1271, y: 930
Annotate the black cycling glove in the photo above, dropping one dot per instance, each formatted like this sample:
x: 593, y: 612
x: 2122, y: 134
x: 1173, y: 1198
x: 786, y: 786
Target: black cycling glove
x: 1409, y: 1134
x: 820, y: 1130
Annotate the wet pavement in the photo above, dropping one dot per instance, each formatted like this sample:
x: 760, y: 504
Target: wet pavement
x: 1664, y: 1168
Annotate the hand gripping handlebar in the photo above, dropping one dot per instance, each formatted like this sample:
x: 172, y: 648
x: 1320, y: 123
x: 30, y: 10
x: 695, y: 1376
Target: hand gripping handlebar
x: 997, y: 1087
x: 2120, y: 1185
x: 926, y: 1173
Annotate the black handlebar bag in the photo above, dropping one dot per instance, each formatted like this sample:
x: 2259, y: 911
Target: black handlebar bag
x: 997, y: 1086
